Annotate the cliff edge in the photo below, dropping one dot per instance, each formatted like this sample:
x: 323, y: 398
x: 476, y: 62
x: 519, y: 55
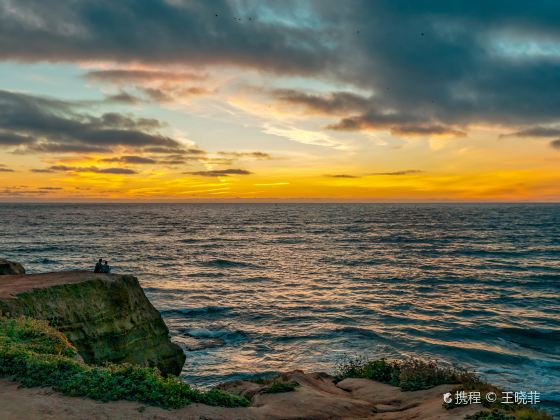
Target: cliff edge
x: 106, y: 316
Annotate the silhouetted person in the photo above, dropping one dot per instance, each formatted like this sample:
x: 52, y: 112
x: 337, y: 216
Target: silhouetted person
x: 98, y: 266
x: 105, y: 268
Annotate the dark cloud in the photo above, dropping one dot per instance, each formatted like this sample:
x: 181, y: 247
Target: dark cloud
x: 370, y: 115
x: 397, y: 173
x: 22, y: 191
x: 333, y: 103
x: 396, y: 123
x: 425, y: 67
x: 155, y: 31
x: 137, y: 160
x: 93, y: 169
x: 13, y: 139
x: 6, y: 170
x: 555, y: 144
x: 42, y: 170
x: 255, y: 155
x: 134, y: 76
x: 158, y: 95
x: 50, y: 147
x: 343, y: 176
x: 535, y: 132
x: 169, y: 93
x: 222, y: 172
x: 37, y: 124
x: 124, y: 98
x: 169, y: 150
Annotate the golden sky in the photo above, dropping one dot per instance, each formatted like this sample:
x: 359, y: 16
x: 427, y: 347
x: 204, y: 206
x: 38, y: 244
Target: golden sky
x: 273, y: 101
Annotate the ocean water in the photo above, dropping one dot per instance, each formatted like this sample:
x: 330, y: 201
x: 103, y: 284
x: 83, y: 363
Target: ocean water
x: 248, y: 288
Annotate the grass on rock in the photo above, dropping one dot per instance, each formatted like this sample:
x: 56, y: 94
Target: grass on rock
x: 409, y: 374
x: 415, y: 374
x: 515, y: 414
x: 36, y: 354
x: 277, y: 387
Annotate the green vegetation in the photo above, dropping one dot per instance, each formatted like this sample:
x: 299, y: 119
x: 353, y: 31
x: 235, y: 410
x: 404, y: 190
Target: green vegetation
x: 415, y: 374
x: 514, y: 414
x: 409, y: 374
x: 37, y: 355
x: 499, y: 411
x: 277, y: 387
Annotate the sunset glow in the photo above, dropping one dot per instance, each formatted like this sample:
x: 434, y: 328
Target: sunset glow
x: 266, y: 101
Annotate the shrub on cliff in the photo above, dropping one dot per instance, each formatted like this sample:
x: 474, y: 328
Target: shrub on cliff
x: 408, y: 374
x: 415, y: 374
x: 277, y: 387
x: 37, y: 355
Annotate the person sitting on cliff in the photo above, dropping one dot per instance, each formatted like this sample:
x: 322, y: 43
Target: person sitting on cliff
x: 105, y: 268
x: 98, y: 266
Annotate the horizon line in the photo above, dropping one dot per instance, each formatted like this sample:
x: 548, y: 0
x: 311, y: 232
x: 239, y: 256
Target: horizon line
x: 268, y: 201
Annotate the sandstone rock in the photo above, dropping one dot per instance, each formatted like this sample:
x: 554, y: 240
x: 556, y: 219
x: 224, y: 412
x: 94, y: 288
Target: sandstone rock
x: 10, y: 267
x: 106, y: 316
x: 318, y: 397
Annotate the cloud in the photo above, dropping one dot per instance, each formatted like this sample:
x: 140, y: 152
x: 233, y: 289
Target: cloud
x: 555, y: 144
x: 23, y: 190
x: 44, y: 125
x: 42, y: 170
x: 397, y: 173
x: 394, y: 173
x: 179, y: 32
x: 332, y: 103
x: 359, y: 113
x: 314, y: 138
x: 155, y: 86
x: 13, y: 139
x: 426, y: 67
x: 535, y: 132
x: 343, y: 176
x: 93, y: 169
x: 255, y: 155
x: 396, y: 124
x: 124, y: 98
x: 221, y: 172
x: 125, y: 76
x: 6, y: 170
x: 136, y: 160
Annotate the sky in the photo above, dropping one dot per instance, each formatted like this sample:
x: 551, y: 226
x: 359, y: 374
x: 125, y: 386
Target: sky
x: 178, y: 100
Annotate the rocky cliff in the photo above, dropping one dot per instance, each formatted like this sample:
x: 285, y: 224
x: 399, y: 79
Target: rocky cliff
x: 10, y: 267
x: 106, y: 316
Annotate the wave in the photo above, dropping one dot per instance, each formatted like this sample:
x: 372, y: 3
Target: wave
x: 190, y: 241
x: 229, y: 337
x: 45, y: 261
x: 209, y: 275
x: 532, y: 338
x: 223, y: 263
x: 204, y: 310
x: 257, y: 279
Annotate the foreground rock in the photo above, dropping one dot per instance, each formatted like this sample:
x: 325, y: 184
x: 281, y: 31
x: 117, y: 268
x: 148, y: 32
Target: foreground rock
x: 10, y: 267
x: 106, y: 316
x: 316, y: 397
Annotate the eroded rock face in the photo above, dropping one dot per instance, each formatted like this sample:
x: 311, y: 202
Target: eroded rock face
x: 106, y: 316
x: 10, y: 267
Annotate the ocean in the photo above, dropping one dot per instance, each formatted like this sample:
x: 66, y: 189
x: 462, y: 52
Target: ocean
x: 249, y: 288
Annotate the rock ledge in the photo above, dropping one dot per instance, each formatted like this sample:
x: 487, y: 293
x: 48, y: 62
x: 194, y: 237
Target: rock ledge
x: 106, y: 316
